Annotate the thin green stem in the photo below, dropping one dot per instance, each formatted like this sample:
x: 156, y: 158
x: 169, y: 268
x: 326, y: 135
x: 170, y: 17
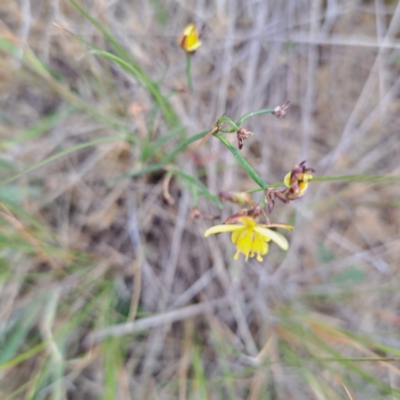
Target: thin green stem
x: 382, y: 179
x: 188, y: 72
x: 359, y: 178
x: 262, y: 201
x: 236, y: 126
x: 277, y: 184
x: 230, y: 122
x: 252, y: 114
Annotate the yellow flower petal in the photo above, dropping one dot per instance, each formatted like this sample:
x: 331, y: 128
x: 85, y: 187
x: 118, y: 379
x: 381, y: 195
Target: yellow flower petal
x: 222, y: 228
x: 302, y: 188
x: 249, y: 222
x: 238, y: 233
x: 243, y: 240
x: 260, y: 246
x: 283, y: 226
x: 190, y: 30
x: 286, y: 179
x: 192, y: 43
x: 189, y: 40
x: 269, y: 234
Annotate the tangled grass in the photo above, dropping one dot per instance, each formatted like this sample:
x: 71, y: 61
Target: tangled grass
x: 108, y: 289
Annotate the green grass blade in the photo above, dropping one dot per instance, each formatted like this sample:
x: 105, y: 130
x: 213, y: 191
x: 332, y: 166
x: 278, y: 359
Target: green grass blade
x: 170, y: 116
x: 195, y: 182
x: 24, y: 356
x: 181, y: 146
x: 199, y: 384
x: 14, y: 339
x: 62, y: 154
x: 128, y: 63
x: 152, y: 149
x: 118, y: 48
x: 43, y: 125
x: 167, y: 159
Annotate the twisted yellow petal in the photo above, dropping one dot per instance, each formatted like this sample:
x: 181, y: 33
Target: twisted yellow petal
x: 276, y: 237
x: 222, y: 228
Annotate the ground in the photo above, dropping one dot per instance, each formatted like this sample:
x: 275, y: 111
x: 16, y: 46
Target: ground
x: 108, y: 287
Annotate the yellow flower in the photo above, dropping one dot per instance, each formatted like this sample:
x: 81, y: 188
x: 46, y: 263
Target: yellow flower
x: 302, y: 181
x: 297, y: 180
x: 189, y: 41
x: 251, y: 238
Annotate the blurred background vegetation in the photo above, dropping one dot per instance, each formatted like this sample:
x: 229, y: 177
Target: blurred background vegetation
x: 108, y: 289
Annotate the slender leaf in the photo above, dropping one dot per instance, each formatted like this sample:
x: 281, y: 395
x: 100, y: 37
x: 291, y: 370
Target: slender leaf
x: 245, y: 165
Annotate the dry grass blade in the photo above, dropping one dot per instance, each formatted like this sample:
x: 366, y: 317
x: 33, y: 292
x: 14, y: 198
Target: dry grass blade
x: 30, y: 238
x: 337, y: 377
x: 154, y: 321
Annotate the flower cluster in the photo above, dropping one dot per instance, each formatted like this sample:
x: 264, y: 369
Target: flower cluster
x: 250, y: 237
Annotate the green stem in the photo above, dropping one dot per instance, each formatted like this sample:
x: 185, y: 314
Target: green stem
x: 235, y: 127
x: 382, y: 179
x: 188, y: 74
x: 271, y: 185
x: 246, y: 166
x: 230, y: 122
x: 262, y: 201
x: 251, y: 114
x: 358, y: 178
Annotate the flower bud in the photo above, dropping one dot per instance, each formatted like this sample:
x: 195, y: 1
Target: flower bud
x: 280, y: 111
x: 242, y: 135
x: 241, y: 198
x: 297, y: 180
x: 189, y: 40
